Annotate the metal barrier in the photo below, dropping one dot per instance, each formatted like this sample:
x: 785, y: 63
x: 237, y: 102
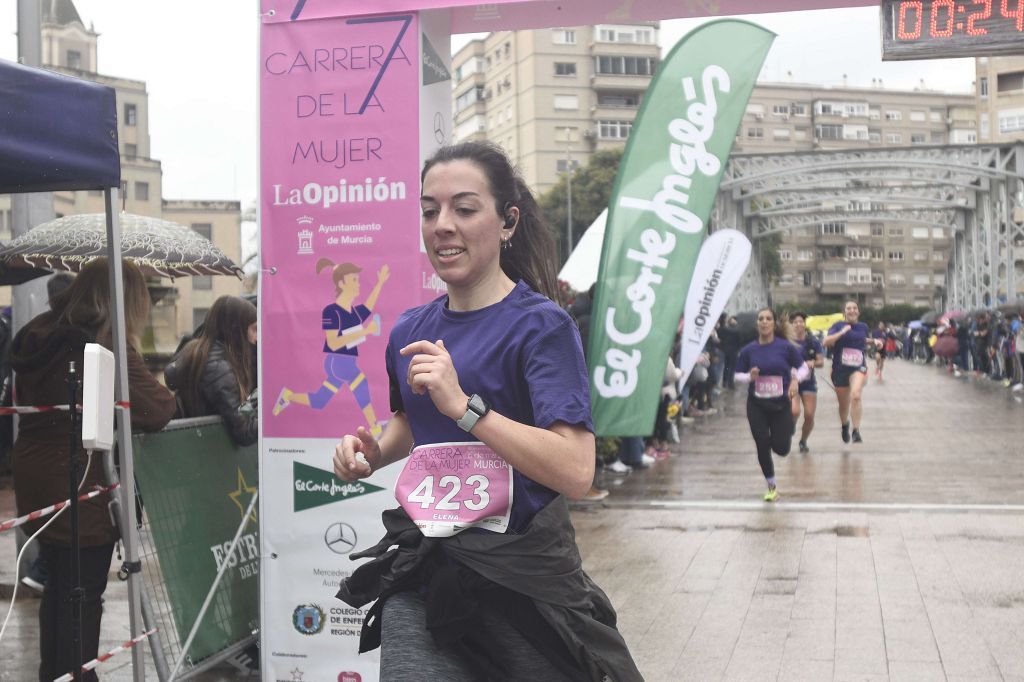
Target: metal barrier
x: 194, y: 487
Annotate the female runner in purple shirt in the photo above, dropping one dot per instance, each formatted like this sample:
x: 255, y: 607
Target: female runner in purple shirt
x: 848, y: 340
x: 772, y: 366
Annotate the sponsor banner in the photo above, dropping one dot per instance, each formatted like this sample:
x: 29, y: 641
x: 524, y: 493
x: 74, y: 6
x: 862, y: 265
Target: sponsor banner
x: 723, y: 259
x: 196, y: 486
x: 317, y: 521
x: 349, y: 107
x: 657, y: 215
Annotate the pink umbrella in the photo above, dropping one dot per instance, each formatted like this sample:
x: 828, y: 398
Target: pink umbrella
x: 952, y: 315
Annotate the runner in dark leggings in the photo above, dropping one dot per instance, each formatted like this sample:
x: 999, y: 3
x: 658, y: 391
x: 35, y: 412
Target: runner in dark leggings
x: 848, y: 340
x: 807, y: 398
x: 772, y: 366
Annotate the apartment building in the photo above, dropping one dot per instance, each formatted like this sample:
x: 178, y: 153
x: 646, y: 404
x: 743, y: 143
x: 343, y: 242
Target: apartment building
x: 552, y: 97
x: 70, y: 48
x: 1000, y: 98
x: 877, y: 262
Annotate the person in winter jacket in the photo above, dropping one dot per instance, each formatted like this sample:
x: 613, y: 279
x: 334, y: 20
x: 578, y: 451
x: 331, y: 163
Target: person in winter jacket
x: 40, y: 355
x: 216, y: 371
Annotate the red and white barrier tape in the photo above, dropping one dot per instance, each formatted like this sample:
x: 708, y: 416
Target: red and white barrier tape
x: 50, y: 408
x: 104, y: 657
x: 32, y: 516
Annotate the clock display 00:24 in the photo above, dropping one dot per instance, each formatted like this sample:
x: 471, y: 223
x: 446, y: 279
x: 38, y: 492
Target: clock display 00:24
x: 922, y: 29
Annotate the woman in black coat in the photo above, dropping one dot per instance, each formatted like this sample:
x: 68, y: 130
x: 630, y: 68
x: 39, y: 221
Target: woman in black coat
x: 216, y: 371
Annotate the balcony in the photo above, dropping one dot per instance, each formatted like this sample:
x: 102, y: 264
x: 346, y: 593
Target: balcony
x: 614, y: 112
x: 608, y: 81
x: 843, y: 288
x: 834, y: 240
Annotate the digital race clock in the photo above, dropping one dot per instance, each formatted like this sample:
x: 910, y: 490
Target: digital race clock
x: 930, y: 29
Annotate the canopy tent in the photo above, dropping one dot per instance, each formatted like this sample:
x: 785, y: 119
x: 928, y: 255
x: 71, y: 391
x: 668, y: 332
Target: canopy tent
x: 60, y: 133
x: 580, y: 269
x: 56, y: 132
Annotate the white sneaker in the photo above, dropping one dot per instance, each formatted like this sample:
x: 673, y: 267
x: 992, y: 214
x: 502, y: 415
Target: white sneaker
x: 646, y: 460
x: 618, y: 467
x: 1017, y: 387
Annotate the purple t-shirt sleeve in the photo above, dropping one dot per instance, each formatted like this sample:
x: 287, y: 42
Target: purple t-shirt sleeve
x: 557, y: 378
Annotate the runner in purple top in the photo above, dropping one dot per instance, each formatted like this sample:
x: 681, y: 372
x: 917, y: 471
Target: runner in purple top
x: 773, y: 367
x: 807, y: 398
x: 848, y: 340
x: 492, y: 424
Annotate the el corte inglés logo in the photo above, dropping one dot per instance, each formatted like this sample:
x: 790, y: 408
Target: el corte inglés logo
x: 315, y: 487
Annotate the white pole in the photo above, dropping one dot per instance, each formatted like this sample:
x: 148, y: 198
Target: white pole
x: 124, y: 428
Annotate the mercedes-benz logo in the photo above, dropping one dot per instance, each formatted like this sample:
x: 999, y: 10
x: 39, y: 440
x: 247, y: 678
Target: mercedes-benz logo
x: 439, y: 128
x: 340, y: 538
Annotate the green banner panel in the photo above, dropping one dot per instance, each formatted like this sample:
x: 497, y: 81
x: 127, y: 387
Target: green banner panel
x: 658, y: 212
x: 195, y: 486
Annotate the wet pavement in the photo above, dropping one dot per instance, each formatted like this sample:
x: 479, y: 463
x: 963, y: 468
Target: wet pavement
x: 901, y: 558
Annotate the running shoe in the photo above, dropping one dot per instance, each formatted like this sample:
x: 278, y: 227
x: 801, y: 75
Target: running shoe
x: 803, y: 447
x: 595, y: 494
x: 771, y: 495
x: 846, y: 432
x: 284, y: 399
x: 1017, y: 387
x: 618, y: 467
x: 856, y: 436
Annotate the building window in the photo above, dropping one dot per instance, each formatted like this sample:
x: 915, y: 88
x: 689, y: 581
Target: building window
x: 807, y: 277
x: 877, y: 253
x: 470, y: 96
x: 624, y: 66
x: 755, y: 133
x: 833, y: 228
x: 917, y: 116
x: 131, y: 150
x: 74, y: 59
x: 566, y: 102
x: 983, y: 87
x: 614, y: 130
x: 798, y: 109
x: 130, y: 114
x: 562, y: 164
x: 874, y: 136
x: 1010, y: 82
x: 202, y: 282
x: 565, y: 68
x: 937, y: 138
x: 780, y: 133
x: 805, y: 254
x: 780, y: 109
x: 893, y: 115
x: 199, y: 316
x: 878, y: 279
x: 877, y: 229
x: 916, y: 138
x: 920, y: 255
x: 1011, y: 121
x: 895, y: 231
x: 938, y: 256
x: 561, y: 36
x: 935, y: 115
x: 921, y: 281
x: 785, y: 255
x: 203, y: 230
x: 141, y: 191
x: 896, y: 255
x: 919, y: 232
x: 894, y: 138
x: 897, y: 280
x: 828, y: 132
x: 625, y: 101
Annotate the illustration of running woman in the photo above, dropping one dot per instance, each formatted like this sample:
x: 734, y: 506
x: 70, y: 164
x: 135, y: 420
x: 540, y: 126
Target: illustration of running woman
x: 344, y: 329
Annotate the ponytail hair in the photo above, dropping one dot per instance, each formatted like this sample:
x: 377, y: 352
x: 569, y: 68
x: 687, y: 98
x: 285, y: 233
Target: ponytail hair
x: 530, y: 252
x: 338, y: 272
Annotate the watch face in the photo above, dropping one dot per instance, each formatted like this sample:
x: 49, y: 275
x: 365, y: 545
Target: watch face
x: 478, y: 405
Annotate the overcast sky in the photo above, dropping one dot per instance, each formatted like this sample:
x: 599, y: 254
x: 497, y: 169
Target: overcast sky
x: 199, y: 61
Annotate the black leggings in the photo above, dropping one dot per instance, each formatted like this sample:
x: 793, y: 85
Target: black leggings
x: 771, y: 425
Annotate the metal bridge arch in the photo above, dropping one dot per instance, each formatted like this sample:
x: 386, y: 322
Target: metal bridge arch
x: 976, y: 192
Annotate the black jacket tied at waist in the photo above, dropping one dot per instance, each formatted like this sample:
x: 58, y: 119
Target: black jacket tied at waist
x: 537, y: 573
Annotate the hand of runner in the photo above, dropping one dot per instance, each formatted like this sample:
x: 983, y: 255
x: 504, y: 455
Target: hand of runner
x: 431, y: 372
x: 846, y: 329
x: 755, y: 372
x: 356, y: 456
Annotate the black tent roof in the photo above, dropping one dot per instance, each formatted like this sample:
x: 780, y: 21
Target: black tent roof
x: 56, y: 132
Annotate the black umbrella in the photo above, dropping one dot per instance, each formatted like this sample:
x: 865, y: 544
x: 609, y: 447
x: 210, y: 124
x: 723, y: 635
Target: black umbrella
x: 158, y: 247
x: 10, y: 276
x: 930, y: 317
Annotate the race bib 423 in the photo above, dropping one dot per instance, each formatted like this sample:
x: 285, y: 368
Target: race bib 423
x: 446, y: 488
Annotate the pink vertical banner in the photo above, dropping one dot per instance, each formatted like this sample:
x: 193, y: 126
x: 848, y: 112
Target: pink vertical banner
x: 339, y: 225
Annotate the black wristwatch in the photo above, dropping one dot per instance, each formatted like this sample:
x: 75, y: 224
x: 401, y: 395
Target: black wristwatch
x: 475, y: 411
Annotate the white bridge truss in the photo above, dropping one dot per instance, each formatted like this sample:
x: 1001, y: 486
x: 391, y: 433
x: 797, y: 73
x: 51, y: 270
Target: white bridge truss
x: 975, y: 192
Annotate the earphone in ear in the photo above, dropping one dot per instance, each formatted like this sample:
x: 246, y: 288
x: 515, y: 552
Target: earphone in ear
x: 510, y: 219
